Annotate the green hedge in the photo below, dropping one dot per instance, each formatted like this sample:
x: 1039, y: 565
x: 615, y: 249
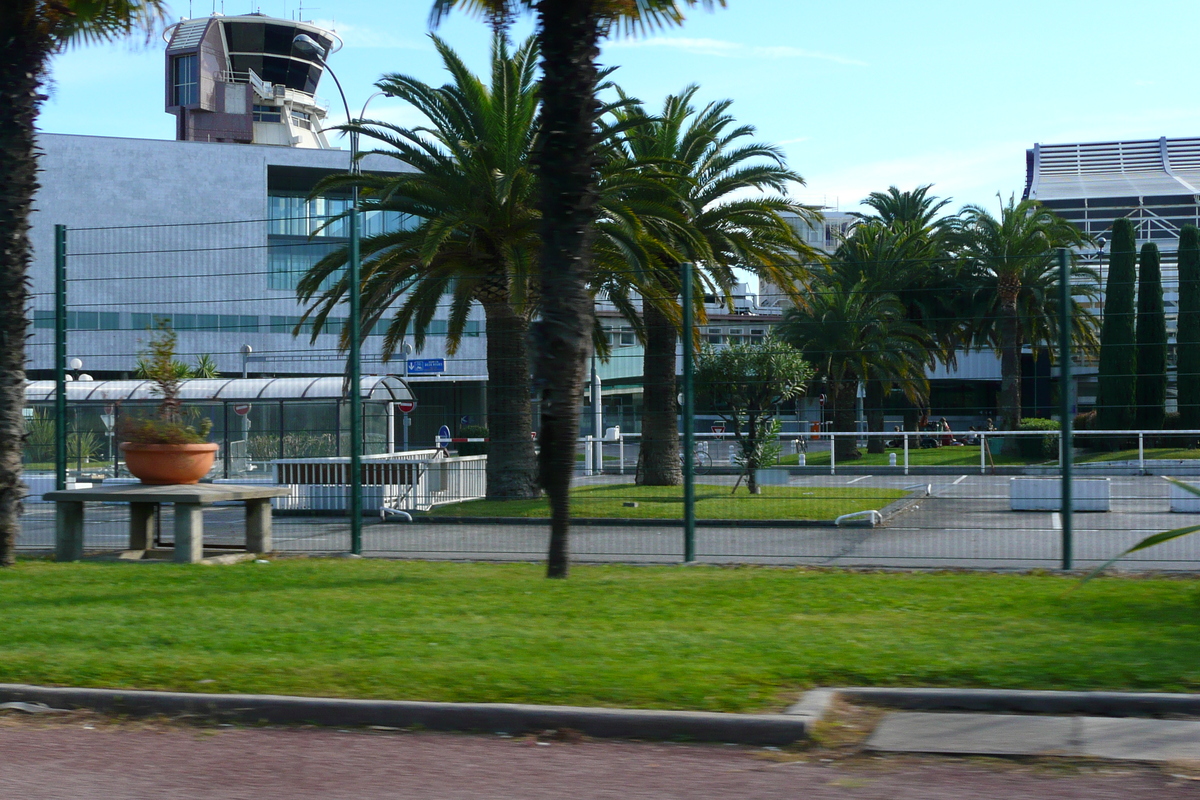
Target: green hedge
x: 473, y: 448
x: 1039, y: 446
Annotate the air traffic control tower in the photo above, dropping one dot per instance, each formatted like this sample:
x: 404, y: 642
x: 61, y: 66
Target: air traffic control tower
x: 239, y: 79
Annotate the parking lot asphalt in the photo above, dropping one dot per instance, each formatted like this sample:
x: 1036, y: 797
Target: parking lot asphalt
x: 964, y: 522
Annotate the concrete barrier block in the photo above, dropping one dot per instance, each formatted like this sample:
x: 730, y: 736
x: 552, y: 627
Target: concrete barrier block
x: 1045, y: 494
x: 1184, y: 502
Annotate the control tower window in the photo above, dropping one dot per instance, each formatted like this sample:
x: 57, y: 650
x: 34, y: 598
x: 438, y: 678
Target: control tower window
x: 267, y: 114
x: 185, y: 79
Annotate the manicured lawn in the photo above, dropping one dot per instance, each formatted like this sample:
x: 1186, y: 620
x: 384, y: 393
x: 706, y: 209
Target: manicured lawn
x: 961, y: 456
x: 712, y: 502
x: 1132, y: 454
x: 654, y: 637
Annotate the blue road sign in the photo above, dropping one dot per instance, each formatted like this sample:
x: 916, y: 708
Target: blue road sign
x: 426, y: 366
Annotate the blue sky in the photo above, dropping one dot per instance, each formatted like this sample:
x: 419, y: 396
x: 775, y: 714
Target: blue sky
x: 861, y: 95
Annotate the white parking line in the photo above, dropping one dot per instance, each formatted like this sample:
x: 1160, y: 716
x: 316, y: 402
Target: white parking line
x: 1056, y: 521
x: 961, y: 478
x: 856, y: 480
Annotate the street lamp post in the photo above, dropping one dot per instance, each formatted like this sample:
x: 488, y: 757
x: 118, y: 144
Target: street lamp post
x: 308, y: 46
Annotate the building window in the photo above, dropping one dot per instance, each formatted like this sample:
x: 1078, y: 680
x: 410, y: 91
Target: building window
x: 713, y: 336
x: 289, y: 259
x: 301, y: 119
x: 185, y: 79
x: 757, y: 335
x: 735, y: 335
x: 267, y: 114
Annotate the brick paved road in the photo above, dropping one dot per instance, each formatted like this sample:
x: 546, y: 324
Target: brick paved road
x: 96, y: 759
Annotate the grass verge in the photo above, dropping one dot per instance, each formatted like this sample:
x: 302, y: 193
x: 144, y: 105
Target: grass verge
x: 956, y: 456
x: 744, y: 639
x: 1166, y: 453
x: 712, y: 502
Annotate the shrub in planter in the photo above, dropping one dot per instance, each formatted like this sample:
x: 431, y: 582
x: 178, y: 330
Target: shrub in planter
x: 172, y: 446
x: 473, y: 448
x: 1038, y: 446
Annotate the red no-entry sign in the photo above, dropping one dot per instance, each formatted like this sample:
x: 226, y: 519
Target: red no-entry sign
x: 406, y: 406
x: 241, y: 409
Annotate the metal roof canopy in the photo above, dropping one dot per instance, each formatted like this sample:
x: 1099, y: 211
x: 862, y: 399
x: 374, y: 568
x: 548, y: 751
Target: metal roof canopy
x: 378, y: 388
x: 1141, y: 168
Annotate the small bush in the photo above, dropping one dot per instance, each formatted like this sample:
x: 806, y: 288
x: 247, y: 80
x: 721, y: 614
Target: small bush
x: 1038, y: 446
x: 473, y: 448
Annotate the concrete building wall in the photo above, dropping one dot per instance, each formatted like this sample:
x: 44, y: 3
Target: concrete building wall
x: 217, y: 269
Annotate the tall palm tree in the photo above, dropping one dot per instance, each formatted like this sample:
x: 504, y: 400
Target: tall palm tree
x: 1013, y: 286
x: 569, y: 32
x: 31, y: 31
x: 473, y: 236
x: 912, y: 207
x: 852, y: 334
x: 730, y: 194
x: 906, y: 261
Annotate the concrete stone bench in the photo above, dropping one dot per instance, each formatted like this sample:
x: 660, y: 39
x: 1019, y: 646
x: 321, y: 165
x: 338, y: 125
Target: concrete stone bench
x: 1045, y: 494
x: 144, y: 501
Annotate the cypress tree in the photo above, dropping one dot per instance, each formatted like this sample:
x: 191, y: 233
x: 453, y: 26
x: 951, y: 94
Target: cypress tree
x: 1151, y: 386
x: 1187, y: 339
x: 1118, y: 351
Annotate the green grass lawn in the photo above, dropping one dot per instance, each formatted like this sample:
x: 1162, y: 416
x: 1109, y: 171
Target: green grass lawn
x: 964, y: 456
x: 744, y: 639
x: 1132, y: 454
x: 712, y: 502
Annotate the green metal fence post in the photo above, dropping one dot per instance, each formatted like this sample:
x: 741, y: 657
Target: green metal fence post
x: 60, y: 357
x: 689, y: 427
x: 356, y: 409
x: 1065, y: 397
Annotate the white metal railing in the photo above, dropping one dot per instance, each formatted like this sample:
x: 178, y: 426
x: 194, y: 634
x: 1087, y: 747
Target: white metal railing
x: 798, y: 443
x: 416, y: 480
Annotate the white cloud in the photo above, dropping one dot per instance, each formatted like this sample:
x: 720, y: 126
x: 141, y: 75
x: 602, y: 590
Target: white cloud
x: 718, y: 47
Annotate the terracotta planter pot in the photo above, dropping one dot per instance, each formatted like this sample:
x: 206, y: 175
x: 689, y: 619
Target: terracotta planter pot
x: 169, y: 463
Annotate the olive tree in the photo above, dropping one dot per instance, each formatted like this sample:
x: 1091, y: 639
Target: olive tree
x: 744, y: 384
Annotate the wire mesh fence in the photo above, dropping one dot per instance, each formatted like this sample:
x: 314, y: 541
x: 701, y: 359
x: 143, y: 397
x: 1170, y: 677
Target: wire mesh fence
x: 912, y: 492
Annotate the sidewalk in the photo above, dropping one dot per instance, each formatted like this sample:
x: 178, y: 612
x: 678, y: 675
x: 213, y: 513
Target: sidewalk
x: 1124, y: 726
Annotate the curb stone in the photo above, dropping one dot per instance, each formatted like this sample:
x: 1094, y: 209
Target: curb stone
x: 815, y: 703
x: 751, y: 729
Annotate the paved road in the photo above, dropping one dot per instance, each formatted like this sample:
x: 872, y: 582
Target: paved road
x: 964, y: 523
x: 87, y: 759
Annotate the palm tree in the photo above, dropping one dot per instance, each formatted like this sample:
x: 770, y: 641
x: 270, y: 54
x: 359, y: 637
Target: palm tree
x: 569, y: 32
x: 1013, y: 287
x: 33, y: 31
x: 906, y: 261
x: 729, y: 193
x: 914, y: 207
x: 851, y: 334
x: 901, y: 247
x: 473, y: 236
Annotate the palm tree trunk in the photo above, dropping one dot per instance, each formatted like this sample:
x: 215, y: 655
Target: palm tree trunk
x: 659, y: 458
x: 842, y: 395
x: 566, y: 165
x: 512, y: 460
x: 1010, y: 369
x: 874, y: 410
x: 21, y: 65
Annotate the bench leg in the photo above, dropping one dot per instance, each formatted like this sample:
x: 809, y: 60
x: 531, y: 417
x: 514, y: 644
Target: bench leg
x: 68, y: 537
x: 141, y: 525
x: 258, y: 526
x: 189, y: 533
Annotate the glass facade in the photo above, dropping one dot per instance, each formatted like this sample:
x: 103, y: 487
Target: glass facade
x: 302, y: 231
x: 185, y: 80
